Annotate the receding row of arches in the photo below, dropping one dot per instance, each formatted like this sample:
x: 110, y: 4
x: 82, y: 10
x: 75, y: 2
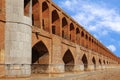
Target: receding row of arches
x: 51, y: 22
x: 40, y: 57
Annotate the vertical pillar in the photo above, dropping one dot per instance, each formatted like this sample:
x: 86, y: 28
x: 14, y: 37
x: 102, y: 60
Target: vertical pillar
x: 17, y: 39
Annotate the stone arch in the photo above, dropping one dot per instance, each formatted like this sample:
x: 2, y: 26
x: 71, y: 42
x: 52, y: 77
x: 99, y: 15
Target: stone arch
x: 94, y: 62
x: 89, y: 42
x: 86, y: 37
x: 104, y: 62
x: 27, y: 7
x: 92, y: 44
x: 40, y: 58
x: 64, y: 28
x: 68, y: 60
x: 85, y: 61
x: 72, y: 32
x: 36, y: 13
x: 45, y: 17
x: 82, y: 38
x: 107, y: 62
x: 55, y: 23
x: 77, y: 35
x: 100, y: 62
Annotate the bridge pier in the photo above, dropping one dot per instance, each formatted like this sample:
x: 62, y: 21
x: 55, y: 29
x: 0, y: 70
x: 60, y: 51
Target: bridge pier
x: 17, y: 40
x: 79, y: 68
x: 17, y: 70
x: 56, y: 68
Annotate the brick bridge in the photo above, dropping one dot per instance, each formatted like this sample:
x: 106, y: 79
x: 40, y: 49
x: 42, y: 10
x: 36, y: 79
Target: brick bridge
x: 59, y: 43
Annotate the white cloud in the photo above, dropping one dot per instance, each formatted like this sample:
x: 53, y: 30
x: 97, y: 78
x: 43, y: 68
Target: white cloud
x: 69, y: 4
x: 112, y: 48
x: 93, y: 16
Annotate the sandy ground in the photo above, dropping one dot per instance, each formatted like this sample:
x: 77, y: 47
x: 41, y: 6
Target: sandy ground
x: 108, y: 74
x: 111, y: 74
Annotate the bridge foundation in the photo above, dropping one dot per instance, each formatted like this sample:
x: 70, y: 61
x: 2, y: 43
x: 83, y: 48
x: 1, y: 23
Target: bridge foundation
x: 17, y: 40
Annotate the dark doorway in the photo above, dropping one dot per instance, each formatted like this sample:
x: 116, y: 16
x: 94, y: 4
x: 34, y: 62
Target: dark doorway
x: 40, y: 58
x: 45, y: 17
x: 85, y: 62
x: 94, y: 62
x: 69, y: 61
x: 56, y: 22
x: 64, y: 28
x: 36, y: 13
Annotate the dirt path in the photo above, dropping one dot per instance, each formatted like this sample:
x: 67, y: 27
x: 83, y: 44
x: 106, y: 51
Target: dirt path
x: 108, y: 74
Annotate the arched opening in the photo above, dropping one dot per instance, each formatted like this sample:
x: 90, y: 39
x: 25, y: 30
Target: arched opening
x: 104, y: 62
x: 86, y: 37
x: 72, y: 32
x: 35, y: 13
x: 40, y: 58
x: 82, y: 38
x: 45, y: 17
x: 64, y: 28
x: 55, y: 23
x: 92, y: 44
x: 77, y: 36
x: 68, y: 61
x: 89, y: 42
x: 85, y: 62
x: 107, y: 62
x: 27, y: 8
x: 94, y: 62
x: 100, y: 62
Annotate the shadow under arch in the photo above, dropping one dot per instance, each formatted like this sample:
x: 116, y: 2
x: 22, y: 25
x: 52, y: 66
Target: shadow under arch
x: 100, y: 62
x: 55, y: 23
x: 40, y: 58
x: 45, y: 16
x: 68, y: 60
x: 94, y: 62
x: 36, y: 13
x: 77, y: 35
x: 72, y: 32
x: 85, y: 62
x: 64, y: 28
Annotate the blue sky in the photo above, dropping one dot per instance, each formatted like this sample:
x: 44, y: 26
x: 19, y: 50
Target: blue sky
x: 99, y: 17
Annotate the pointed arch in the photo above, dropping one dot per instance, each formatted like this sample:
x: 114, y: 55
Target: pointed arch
x: 27, y: 7
x: 104, y: 62
x: 45, y: 17
x: 94, y: 62
x: 68, y: 60
x: 86, y: 37
x: 107, y: 62
x: 40, y: 57
x: 100, y: 62
x: 82, y: 34
x: 77, y: 31
x: 85, y: 62
x: 72, y: 32
x: 82, y: 38
x: 64, y: 28
x: 35, y: 13
x: 55, y: 23
x: 89, y: 42
x: 77, y: 36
